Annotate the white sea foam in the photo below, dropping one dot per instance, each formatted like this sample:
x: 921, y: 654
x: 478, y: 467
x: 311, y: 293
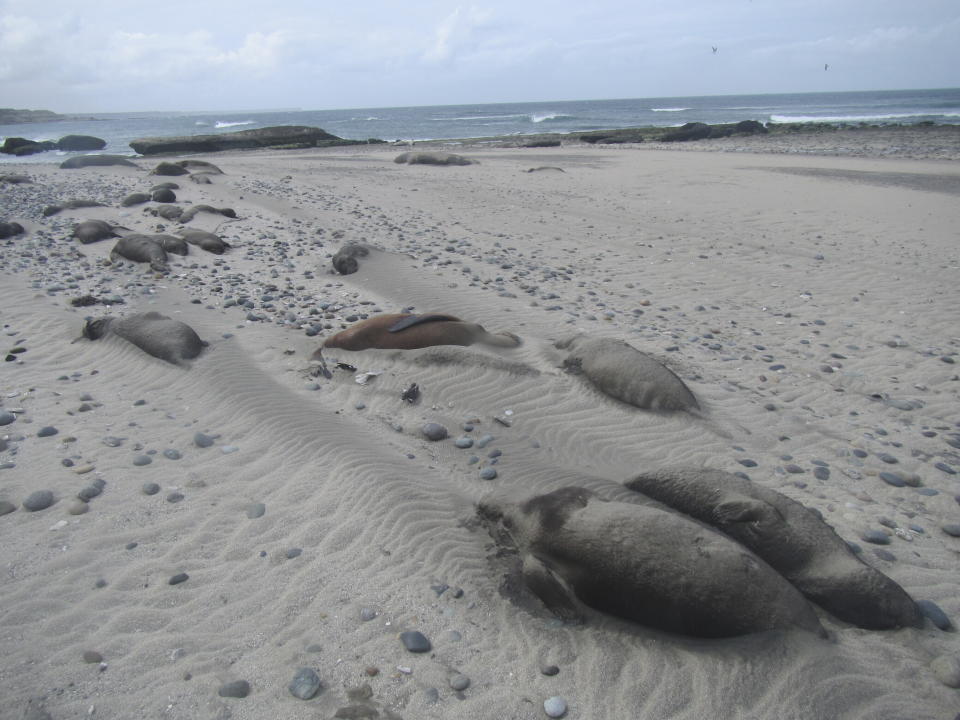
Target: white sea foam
x: 855, y: 118
x: 670, y: 109
x: 226, y: 124
x: 550, y: 116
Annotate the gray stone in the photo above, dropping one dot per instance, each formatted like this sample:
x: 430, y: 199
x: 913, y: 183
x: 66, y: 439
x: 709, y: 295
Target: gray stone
x: 38, y: 500
x: 488, y: 473
x: 6, y: 417
x: 947, y: 670
x: 555, y: 706
x: 235, y: 689
x: 459, y: 682
x: 256, y: 510
x: 150, y: 488
x: 47, y: 431
x: 6, y: 507
x: 305, y: 684
x: 415, y: 641
x: 434, y: 431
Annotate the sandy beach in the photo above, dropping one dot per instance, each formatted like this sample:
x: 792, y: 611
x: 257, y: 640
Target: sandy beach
x: 807, y: 295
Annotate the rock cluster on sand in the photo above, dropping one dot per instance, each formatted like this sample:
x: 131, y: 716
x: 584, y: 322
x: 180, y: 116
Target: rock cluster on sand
x: 69, y: 143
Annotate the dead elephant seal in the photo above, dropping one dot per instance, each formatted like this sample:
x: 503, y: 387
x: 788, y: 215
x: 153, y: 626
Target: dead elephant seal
x: 652, y: 566
x: 141, y: 249
x: 345, y: 261
x: 156, y: 334
x: 9, y: 229
x: 404, y: 331
x: 191, y: 212
x: 624, y: 373
x: 90, y: 231
x: 206, y: 241
x: 791, y: 538
x: 432, y: 158
x: 70, y: 205
x: 82, y: 161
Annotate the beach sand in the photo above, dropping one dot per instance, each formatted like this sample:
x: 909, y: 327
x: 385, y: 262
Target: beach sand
x: 809, y: 302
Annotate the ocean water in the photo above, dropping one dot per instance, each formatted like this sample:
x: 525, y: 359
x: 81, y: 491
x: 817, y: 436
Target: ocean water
x: 463, y: 121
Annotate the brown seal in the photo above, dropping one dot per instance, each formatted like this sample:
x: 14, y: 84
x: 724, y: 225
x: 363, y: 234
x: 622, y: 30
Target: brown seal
x: 405, y: 331
x: 653, y: 566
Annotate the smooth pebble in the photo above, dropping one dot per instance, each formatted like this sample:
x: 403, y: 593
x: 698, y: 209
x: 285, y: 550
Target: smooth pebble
x: 555, y: 706
x: 305, y: 684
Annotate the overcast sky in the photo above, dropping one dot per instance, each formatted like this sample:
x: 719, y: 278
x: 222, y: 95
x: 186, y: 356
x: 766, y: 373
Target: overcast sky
x: 127, y: 55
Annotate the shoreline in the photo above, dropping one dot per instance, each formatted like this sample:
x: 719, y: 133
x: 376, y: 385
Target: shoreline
x: 807, y: 302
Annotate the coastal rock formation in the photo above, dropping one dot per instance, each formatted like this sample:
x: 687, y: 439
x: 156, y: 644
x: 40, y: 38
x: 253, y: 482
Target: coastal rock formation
x: 299, y: 136
x: 80, y: 142
x: 15, y: 116
x: 685, y: 133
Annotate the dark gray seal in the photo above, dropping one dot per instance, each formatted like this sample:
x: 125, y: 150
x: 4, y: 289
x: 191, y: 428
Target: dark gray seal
x: 652, y: 566
x: 163, y: 195
x: 167, y: 212
x: 206, y: 241
x: 15, y: 179
x: 191, y: 212
x: 90, y: 231
x: 141, y: 249
x: 171, y: 243
x: 9, y: 229
x: 791, y: 538
x: 433, y: 158
x: 70, y: 205
x: 624, y: 373
x: 82, y: 161
x: 156, y: 334
x: 345, y: 261
x: 136, y: 198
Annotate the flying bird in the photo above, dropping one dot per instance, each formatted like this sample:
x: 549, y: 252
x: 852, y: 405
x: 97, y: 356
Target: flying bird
x: 825, y: 66
x: 715, y: 48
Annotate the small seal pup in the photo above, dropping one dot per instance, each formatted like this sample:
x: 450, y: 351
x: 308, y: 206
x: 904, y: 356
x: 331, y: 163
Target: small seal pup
x: 141, y: 249
x: 624, y: 373
x: 405, y: 331
x: 9, y: 229
x: 790, y: 537
x: 206, y: 241
x: 645, y: 564
x: 345, y: 261
x: 156, y: 334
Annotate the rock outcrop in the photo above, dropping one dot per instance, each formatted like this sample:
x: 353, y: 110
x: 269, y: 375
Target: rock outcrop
x: 282, y: 136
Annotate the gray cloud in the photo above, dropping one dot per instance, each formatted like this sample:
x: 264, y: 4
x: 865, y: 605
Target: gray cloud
x: 131, y: 56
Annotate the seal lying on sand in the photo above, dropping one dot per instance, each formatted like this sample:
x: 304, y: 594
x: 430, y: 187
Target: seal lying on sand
x: 9, y: 229
x: 191, y: 212
x: 90, y: 231
x: 623, y: 372
x: 70, y: 205
x: 345, y: 261
x: 141, y: 248
x: 206, y: 241
x: 403, y: 331
x: 652, y: 566
x: 432, y: 158
x: 156, y: 334
x: 791, y: 538
x: 82, y: 161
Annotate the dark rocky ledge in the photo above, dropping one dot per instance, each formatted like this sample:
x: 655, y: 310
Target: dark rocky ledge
x: 282, y: 136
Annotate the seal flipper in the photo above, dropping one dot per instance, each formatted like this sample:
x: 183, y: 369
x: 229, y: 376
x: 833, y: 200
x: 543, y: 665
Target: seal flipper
x: 411, y: 320
x: 546, y: 585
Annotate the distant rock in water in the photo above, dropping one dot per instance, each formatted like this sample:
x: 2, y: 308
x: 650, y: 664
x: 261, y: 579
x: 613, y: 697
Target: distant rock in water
x: 80, y: 142
x: 293, y: 136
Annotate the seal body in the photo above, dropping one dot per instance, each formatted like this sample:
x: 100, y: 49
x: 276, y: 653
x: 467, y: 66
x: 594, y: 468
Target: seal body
x: 644, y: 564
x: 791, y: 538
x: 206, y: 241
x: 345, y: 261
x: 624, y: 373
x: 9, y: 229
x: 432, y: 158
x: 376, y: 332
x: 141, y: 249
x: 90, y: 231
x: 155, y: 334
